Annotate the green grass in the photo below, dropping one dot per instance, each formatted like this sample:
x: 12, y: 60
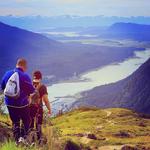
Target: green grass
x: 5, y: 118
x: 106, y: 124
x: 52, y: 144
x: 10, y: 146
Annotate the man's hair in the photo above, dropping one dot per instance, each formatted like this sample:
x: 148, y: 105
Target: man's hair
x: 21, y: 62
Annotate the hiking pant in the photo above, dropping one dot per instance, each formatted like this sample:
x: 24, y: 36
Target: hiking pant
x: 20, y: 118
x: 36, y: 118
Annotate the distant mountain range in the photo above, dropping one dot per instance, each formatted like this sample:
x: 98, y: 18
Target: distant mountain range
x: 53, y: 58
x: 117, y: 31
x: 139, y: 32
x: 41, y: 22
x: 121, y: 30
x: 132, y: 92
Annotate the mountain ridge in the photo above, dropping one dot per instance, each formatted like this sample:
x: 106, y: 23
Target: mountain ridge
x: 55, y: 59
x: 139, y: 32
x: 131, y: 92
x: 43, y: 22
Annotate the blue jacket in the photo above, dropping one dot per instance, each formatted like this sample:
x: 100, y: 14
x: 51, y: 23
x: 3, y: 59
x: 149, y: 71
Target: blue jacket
x: 26, y: 88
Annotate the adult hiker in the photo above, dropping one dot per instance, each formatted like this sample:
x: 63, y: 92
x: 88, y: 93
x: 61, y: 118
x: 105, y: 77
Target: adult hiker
x: 36, y: 103
x: 17, y: 87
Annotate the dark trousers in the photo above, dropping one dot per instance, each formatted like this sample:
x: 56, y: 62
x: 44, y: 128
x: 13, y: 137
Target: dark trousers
x: 36, y: 117
x: 21, y: 119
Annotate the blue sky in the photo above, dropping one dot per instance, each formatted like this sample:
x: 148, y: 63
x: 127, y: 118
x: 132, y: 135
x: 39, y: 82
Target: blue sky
x: 75, y: 7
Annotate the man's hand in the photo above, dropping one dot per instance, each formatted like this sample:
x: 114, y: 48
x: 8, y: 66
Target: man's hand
x: 46, y: 101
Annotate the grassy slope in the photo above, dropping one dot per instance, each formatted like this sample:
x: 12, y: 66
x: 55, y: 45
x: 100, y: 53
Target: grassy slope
x: 113, y: 126
x: 107, y: 125
x: 7, y: 143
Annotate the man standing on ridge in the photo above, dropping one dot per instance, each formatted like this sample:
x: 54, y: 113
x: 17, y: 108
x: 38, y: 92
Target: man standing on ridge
x: 17, y: 87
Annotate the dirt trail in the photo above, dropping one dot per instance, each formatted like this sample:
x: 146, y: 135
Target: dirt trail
x: 113, y: 147
x: 108, y: 113
x: 85, y: 140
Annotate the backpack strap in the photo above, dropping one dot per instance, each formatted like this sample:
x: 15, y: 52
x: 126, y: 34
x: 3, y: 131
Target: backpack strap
x: 40, y: 102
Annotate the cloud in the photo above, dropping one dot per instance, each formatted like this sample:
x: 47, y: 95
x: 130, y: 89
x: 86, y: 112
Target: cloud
x: 70, y: 1
x: 76, y: 7
x: 16, y: 11
x: 20, y: 1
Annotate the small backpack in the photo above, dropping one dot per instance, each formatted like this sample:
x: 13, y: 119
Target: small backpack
x: 35, y: 98
x: 12, y: 88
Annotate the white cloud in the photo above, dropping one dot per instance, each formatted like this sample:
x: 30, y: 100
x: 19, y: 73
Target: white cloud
x: 76, y: 7
x: 20, y: 1
x: 16, y: 11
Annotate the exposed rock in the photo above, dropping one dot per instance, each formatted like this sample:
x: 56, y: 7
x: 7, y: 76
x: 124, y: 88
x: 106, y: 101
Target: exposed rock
x: 123, y: 134
x: 92, y: 136
x: 140, y: 147
x: 127, y: 147
x: 137, y: 147
x: 71, y: 146
x: 142, y: 124
x: 101, y: 138
x: 80, y: 134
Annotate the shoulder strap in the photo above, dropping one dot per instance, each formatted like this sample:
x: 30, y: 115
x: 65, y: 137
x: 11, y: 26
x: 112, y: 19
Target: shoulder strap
x: 41, y: 103
x: 40, y: 87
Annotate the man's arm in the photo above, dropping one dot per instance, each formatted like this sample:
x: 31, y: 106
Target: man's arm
x: 46, y: 101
